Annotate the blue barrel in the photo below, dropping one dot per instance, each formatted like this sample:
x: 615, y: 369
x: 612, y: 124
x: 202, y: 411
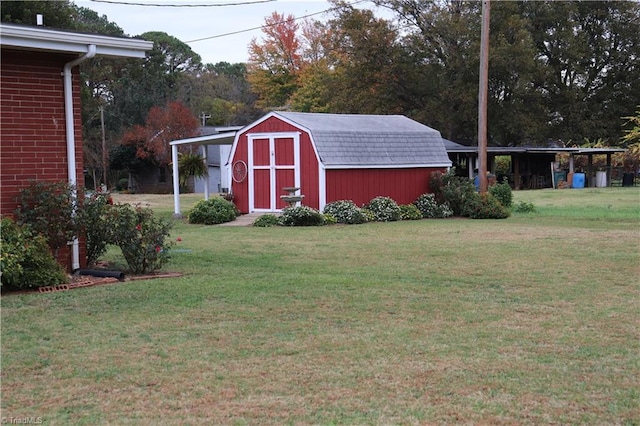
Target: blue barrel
x: 578, y: 180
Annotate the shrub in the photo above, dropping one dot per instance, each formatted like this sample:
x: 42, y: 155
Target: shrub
x: 141, y: 237
x: 26, y: 260
x: 49, y: 209
x: 429, y: 207
x: 212, y: 211
x: 486, y: 206
x: 97, y: 229
x: 410, y: 212
x: 453, y: 190
x: 267, y: 220
x: 384, y: 209
x: 301, y: 216
x: 345, y: 211
x: 524, y: 207
x: 329, y: 219
x: 368, y: 214
x: 502, y: 192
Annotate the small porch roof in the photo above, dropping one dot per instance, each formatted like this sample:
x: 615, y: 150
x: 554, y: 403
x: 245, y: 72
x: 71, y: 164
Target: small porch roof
x: 226, y: 137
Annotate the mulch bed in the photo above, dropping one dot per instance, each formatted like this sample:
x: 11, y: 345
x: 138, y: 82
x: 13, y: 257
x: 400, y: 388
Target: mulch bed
x: 79, y: 281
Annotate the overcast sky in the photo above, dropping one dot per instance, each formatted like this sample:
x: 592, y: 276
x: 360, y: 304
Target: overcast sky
x: 189, y: 24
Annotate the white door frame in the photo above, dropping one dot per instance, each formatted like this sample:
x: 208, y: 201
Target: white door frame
x: 272, y: 166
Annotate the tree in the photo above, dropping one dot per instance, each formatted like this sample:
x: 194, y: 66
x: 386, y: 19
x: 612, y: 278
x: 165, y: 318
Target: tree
x: 367, y: 63
x: 56, y: 14
x: 275, y: 63
x: 589, y: 70
x: 162, y: 126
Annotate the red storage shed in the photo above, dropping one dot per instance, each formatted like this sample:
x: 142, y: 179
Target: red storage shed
x: 332, y: 157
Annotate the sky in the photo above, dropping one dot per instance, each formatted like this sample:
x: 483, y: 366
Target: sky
x: 207, y: 30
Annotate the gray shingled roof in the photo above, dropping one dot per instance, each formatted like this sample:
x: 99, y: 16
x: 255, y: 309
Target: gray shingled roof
x: 371, y: 140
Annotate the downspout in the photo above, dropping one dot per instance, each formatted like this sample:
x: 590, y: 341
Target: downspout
x: 71, y: 138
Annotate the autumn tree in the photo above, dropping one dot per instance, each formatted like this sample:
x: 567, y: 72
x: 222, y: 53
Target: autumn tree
x: 274, y: 64
x: 163, y: 125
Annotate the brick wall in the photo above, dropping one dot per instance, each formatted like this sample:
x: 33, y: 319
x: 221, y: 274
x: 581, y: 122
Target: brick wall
x: 32, y: 125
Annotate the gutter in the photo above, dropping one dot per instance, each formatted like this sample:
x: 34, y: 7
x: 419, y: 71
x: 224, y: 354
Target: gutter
x: 71, y: 138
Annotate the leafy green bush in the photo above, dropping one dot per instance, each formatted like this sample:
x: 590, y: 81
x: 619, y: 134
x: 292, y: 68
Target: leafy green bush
x: 267, y: 220
x: 453, y: 190
x: 384, y: 209
x: 26, y: 260
x: 329, y: 219
x: 486, y: 206
x: 141, y: 237
x: 524, y: 207
x: 97, y: 229
x: 49, y: 208
x: 429, y: 207
x: 212, y: 211
x: 502, y: 192
x: 301, y: 216
x: 368, y: 214
x: 410, y: 212
x: 345, y: 211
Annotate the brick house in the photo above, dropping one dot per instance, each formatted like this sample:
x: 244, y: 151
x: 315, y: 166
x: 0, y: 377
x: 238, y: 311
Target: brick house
x: 40, y: 114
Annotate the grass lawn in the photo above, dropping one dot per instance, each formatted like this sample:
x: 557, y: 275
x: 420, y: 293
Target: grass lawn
x: 529, y: 320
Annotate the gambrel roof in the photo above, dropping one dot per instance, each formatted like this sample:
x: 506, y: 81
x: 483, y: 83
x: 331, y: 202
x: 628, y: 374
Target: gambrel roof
x: 358, y: 140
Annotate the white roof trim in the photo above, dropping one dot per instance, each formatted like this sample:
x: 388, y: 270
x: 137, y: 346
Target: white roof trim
x: 46, y: 39
x: 216, y: 139
x: 385, y: 166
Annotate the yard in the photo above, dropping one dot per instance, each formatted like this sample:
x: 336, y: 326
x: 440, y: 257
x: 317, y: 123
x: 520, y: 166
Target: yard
x: 529, y: 320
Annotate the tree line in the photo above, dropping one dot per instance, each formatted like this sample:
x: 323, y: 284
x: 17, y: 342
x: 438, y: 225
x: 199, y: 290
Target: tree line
x: 560, y: 72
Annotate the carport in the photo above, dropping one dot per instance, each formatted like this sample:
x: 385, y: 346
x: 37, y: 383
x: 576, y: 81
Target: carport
x: 223, y: 138
x: 532, y: 166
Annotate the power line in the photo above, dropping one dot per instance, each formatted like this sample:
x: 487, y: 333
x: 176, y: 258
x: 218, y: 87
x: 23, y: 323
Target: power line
x: 126, y: 3
x: 267, y: 26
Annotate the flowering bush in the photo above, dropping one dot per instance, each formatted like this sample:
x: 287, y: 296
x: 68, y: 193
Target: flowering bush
x: 212, y: 211
x: 410, y: 212
x: 430, y: 208
x: 345, y: 211
x: 26, y: 260
x: 384, y: 209
x: 49, y: 208
x: 141, y: 237
x: 301, y: 216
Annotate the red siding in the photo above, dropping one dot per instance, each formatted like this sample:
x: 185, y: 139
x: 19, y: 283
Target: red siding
x: 362, y: 185
x: 32, y: 125
x: 308, y: 165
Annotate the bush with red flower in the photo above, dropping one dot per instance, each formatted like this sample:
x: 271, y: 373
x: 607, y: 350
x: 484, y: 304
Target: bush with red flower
x: 141, y: 236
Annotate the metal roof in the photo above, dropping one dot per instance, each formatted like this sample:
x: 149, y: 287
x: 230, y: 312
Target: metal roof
x: 352, y: 140
x: 453, y: 147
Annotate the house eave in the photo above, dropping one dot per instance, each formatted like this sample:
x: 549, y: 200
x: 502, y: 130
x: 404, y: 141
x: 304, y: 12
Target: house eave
x: 50, y: 40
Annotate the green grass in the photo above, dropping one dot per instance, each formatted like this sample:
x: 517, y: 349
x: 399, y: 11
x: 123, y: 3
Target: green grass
x: 532, y: 320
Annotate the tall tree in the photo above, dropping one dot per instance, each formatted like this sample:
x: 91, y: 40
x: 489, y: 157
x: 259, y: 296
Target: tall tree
x: 367, y: 61
x: 589, y: 61
x: 274, y: 63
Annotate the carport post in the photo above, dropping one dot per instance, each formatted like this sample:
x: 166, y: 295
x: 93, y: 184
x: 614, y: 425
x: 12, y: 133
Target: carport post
x: 176, y: 182
x: 205, y: 148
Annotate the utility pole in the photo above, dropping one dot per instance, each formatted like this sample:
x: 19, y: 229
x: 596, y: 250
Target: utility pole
x: 482, y: 98
x: 204, y: 117
x: 105, y: 160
